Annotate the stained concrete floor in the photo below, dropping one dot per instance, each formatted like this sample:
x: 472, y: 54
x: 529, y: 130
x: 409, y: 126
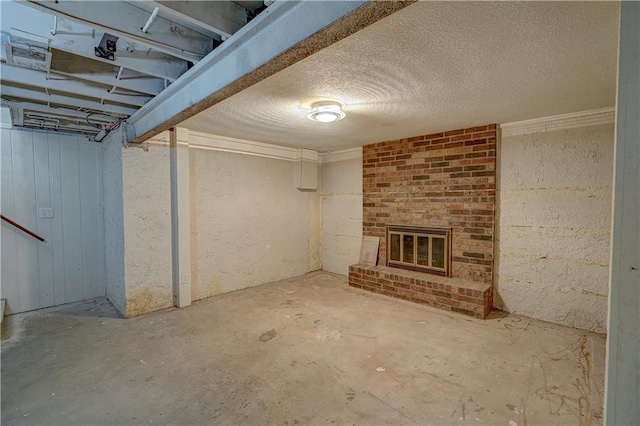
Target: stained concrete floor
x: 298, y: 351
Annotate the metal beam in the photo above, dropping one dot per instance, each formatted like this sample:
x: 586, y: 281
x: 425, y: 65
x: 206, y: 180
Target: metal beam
x: 126, y: 20
x: 31, y: 77
x: 216, y: 19
x: 20, y: 93
x: 283, y: 34
x: 81, y: 39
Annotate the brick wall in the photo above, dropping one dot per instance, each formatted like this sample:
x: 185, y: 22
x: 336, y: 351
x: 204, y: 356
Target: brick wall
x: 443, y: 180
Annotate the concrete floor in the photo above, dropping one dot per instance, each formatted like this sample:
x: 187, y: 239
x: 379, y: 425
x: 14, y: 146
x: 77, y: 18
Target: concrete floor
x: 303, y: 350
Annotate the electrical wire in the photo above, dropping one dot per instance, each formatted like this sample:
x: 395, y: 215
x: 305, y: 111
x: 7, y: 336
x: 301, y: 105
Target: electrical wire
x: 99, y: 126
x: 108, y: 128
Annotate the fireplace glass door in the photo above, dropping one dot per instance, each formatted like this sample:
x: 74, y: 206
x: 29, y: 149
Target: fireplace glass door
x: 422, y: 249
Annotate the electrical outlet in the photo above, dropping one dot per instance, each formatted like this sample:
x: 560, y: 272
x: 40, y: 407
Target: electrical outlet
x: 46, y: 212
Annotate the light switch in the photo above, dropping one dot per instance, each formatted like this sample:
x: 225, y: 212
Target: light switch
x: 46, y: 212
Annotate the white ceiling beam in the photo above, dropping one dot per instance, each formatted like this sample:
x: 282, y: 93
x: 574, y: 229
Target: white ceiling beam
x: 81, y: 40
x: 216, y: 19
x: 32, y: 77
x: 152, y: 63
x: 139, y: 83
x: 68, y: 101
x: 275, y: 33
x: 126, y: 20
x: 76, y: 67
x: 147, y: 85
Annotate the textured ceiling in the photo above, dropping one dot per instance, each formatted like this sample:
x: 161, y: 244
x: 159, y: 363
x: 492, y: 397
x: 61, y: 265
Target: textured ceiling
x: 435, y: 66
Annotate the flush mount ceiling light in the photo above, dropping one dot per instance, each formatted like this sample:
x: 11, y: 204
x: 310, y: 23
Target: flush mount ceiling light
x: 326, y: 112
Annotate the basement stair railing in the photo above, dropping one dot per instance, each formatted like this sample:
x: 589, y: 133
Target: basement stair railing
x: 22, y: 228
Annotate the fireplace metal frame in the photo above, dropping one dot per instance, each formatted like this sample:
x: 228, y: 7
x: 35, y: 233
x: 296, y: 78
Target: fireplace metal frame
x: 417, y: 231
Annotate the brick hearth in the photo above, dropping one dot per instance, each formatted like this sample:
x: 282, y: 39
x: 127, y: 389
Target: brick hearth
x: 450, y: 294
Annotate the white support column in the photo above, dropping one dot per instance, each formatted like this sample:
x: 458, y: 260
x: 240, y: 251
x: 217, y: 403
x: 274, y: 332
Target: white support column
x: 622, y: 392
x: 180, y: 216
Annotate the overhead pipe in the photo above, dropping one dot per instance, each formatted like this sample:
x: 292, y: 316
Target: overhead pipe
x: 22, y: 228
x: 113, y: 89
x: 151, y: 19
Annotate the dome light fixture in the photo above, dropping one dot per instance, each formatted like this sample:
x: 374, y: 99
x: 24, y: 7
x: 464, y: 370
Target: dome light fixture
x: 326, y: 112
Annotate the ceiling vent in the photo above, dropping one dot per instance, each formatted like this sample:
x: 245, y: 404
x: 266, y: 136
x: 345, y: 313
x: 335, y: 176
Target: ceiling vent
x: 41, y: 121
x: 27, y: 56
x: 27, y: 50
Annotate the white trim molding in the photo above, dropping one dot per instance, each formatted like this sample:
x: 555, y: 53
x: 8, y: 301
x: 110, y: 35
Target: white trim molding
x: 307, y: 155
x: 210, y: 142
x: 241, y: 146
x: 344, y: 154
x: 573, y: 120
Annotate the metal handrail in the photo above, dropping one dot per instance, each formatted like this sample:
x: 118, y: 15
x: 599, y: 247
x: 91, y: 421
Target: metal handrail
x: 22, y: 228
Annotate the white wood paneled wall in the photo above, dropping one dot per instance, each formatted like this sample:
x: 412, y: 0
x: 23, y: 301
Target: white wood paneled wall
x: 63, y: 172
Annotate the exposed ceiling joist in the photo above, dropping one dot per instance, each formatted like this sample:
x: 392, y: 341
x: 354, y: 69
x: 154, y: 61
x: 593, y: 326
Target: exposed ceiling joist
x: 253, y: 6
x: 150, y: 62
x: 104, y: 73
x: 126, y: 20
x: 146, y: 85
x: 64, y: 84
x: 81, y: 40
x: 13, y: 93
x: 265, y: 48
x: 107, y: 56
x: 216, y: 19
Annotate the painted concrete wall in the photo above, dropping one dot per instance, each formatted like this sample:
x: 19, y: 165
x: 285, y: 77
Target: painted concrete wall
x: 147, y: 227
x: 113, y: 221
x: 554, y: 219
x: 341, y: 214
x: 62, y: 172
x: 249, y: 224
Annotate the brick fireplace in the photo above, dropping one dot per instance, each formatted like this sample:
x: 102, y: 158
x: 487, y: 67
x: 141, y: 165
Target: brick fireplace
x: 444, y: 180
